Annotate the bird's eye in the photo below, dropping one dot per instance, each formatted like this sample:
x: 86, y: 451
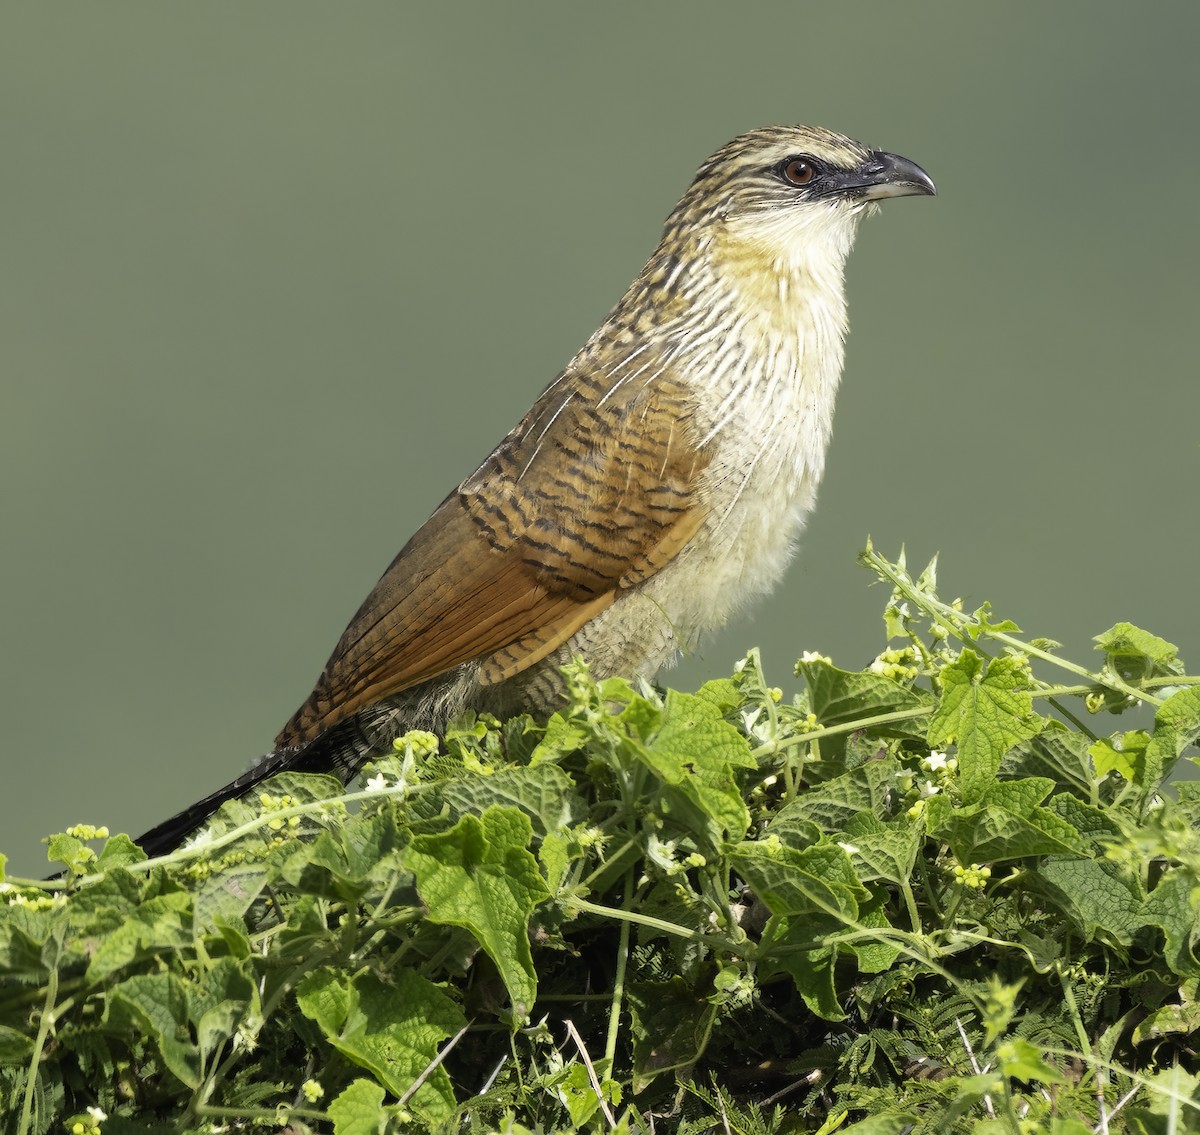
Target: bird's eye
x: 798, y: 171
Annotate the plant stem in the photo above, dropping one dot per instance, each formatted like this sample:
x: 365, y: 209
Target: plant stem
x: 44, y: 1026
x: 618, y: 994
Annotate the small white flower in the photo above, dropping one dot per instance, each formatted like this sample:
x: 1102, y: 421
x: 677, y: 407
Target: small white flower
x: 928, y: 788
x: 377, y: 783
x: 98, y: 1115
x: 934, y: 761
x: 662, y: 854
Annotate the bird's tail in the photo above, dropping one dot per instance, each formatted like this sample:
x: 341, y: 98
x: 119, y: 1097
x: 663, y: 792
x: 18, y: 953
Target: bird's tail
x: 340, y: 751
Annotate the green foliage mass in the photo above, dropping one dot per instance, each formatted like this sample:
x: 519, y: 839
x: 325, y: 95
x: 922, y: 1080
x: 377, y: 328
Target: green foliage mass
x: 929, y: 896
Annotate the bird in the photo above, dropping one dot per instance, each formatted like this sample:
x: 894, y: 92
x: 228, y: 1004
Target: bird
x: 658, y: 484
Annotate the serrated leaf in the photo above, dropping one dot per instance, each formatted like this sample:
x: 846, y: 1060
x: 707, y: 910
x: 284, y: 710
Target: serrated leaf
x: 1126, y: 756
x: 543, y: 792
x: 227, y: 895
x: 15, y: 1046
x: 833, y: 803
x: 1094, y: 894
x: 158, y: 1005
x: 160, y: 923
x: 894, y: 1123
x: 1006, y: 823
x: 668, y: 1033
x: 220, y: 1003
x: 1134, y: 653
x: 393, y: 1031
x: 840, y: 696
x: 1170, y: 1019
x: 874, y: 955
x: 1181, y: 711
x: 21, y: 954
x: 693, y: 750
x: 722, y: 693
x: 358, y: 1110
x: 574, y: 1088
x: 984, y: 623
x: 341, y: 860
x: 879, y: 850
x: 818, y: 882
x: 481, y: 875
x: 1057, y: 753
x: 1020, y: 1060
x: 1096, y: 825
x: 1174, y: 905
x: 812, y: 970
x: 562, y: 736
x: 985, y: 710
x: 119, y: 851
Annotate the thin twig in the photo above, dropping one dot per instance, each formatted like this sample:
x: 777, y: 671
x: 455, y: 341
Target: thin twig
x: 435, y: 1063
x: 987, y: 1099
x: 573, y: 1033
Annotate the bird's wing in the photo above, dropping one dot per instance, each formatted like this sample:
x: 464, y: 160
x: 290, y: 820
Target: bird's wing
x: 594, y: 491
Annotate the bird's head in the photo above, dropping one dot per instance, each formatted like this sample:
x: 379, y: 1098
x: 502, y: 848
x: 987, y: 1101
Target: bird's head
x: 792, y: 195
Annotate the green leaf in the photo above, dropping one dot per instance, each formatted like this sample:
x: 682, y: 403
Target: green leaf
x: 840, y: 696
x: 669, y: 1032
x: 220, y: 1003
x: 813, y: 970
x: 15, y: 1046
x: 874, y: 955
x: 1176, y: 725
x: 818, y: 882
x: 1135, y: 654
x: 119, y: 851
x: 393, y: 1031
x: 835, y: 802
x: 157, y: 1005
x: 481, y: 875
x: 574, y: 1088
x: 693, y: 750
x: 1006, y: 823
x: 722, y: 693
x: 1174, y: 905
x: 879, y: 850
x: 1057, y: 753
x: 1125, y: 756
x: 894, y: 1123
x: 161, y: 923
x: 358, y: 1110
x: 1096, y: 825
x: 543, y: 792
x: 1020, y: 1060
x: 1094, y: 894
x: 1181, y: 711
x: 227, y: 895
x: 985, y: 710
x: 562, y: 736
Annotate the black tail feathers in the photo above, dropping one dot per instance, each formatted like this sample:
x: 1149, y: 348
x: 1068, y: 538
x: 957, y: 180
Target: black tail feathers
x: 340, y: 752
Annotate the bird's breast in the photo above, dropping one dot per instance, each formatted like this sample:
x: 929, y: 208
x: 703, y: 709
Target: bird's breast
x: 766, y: 415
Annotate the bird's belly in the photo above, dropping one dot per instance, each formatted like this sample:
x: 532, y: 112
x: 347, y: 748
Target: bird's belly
x: 743, y: 551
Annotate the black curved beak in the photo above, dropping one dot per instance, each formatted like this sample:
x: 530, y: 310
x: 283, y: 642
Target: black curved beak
x: 885, y: 175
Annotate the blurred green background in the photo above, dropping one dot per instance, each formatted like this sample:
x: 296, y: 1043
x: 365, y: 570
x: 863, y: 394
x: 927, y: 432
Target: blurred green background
x: 274, y: 277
